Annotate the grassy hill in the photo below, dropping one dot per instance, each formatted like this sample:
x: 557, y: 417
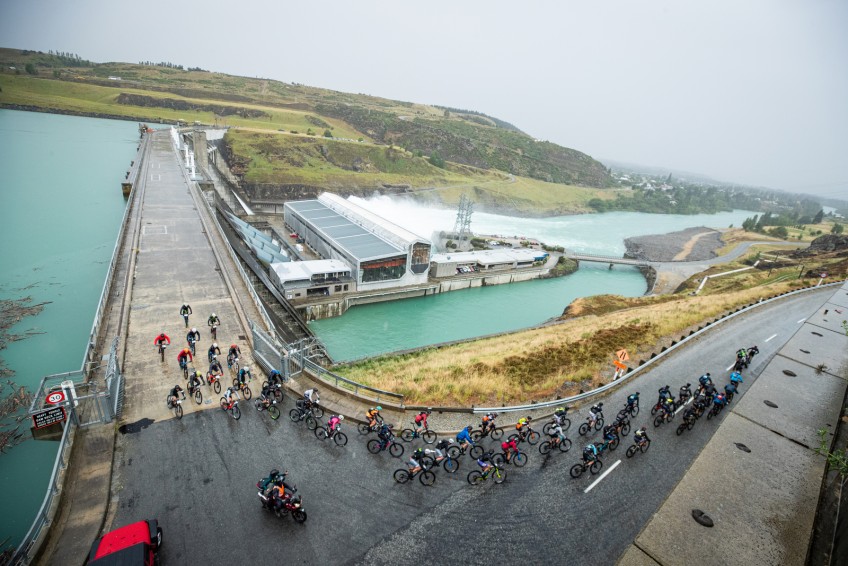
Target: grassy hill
x: 388, y: 141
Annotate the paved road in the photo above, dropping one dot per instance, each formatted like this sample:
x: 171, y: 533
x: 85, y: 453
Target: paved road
x: 197, y: 476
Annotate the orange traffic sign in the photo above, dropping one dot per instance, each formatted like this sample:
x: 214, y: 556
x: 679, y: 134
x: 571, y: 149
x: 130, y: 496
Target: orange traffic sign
x: 622, y: 355
x: 618, y: 364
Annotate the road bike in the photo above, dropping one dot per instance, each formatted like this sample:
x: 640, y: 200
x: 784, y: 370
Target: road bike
x: 597, y: 423
x: 214, y: 330
x: 323, y: 433
x: 231, y: 407
x: 527, y: 434
x: 564, y: 445
x: 493, y: 432
x: 476, y: 477
x: 594, y: 466
x: 269, y: 405
x: 455, y: 450
x: 314, y: 408
x: 301, y: 414
x: 375, y: 446
x: 176, y: 405
x: 410, y: 434
x: 715, y: 410
x: 638, y: 447
x: 365, y: 428
x: 425, y: 476
x: 664, y: 417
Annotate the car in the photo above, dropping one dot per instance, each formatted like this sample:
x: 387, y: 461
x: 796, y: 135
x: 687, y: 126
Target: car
x: 131, y: 545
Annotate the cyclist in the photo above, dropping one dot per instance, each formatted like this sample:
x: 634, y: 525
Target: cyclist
x: 228, y: 396
x: 610, y: 432
x: 421, y: 420
x: 668, y: 406
x: 438, y: 451
x: 174, y: 395
x: 559, y: 415
x: 523, y: 427
x: 266, y: 395
x: 700, y: 404
x: 689, y: 415
x: 685, y: 392
x: 705, y: 380
x: 194, y: 379
x: 742, y: 355
x: 214, y: 351
x: 183, y: 356
x: 244, y: 375
x: 215, y: 366
x: 414, y: 463
x: 557, y: 432
x: 719, y: 399
x: 665, y: 393
x: 485, y: 461
x: 729, y: 389
x: 736, y: 378
x: 464, y: 437
x: 633, y: 400
x: 641, y: 436
x: 752, y: 351
x: 185, y: 310
x: 596, y: 412
x: 374, y: 416
x: 234, y: 352
x: 192, y: 336
x: 385, y: 435
x: 213, y: 320
x: 275, y: 377
x: 162, y: 339
x: 334, y: 421
x: 310, y: 397
x: 488, y: 423
x: 509, y: 448
x: 590, y: 453
x: 709, y: 390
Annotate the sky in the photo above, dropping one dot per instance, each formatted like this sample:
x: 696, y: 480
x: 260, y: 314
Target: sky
x: 753, y: 92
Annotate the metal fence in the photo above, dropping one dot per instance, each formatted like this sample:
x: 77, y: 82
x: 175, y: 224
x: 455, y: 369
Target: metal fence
x: 114, y: 381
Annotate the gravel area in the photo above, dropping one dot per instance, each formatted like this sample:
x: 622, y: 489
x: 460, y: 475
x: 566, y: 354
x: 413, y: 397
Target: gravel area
x: 698, y: 243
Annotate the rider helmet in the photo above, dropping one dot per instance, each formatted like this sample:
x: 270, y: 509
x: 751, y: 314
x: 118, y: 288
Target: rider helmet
x: 193, y: 329
x: 644, y: 429
x: 341, y: 417
x: 468, y: 428
x: 177, y: 387
x: 246, y: 369
x: 214, y: 344
x: 379, y: 408
x: 213, y: 315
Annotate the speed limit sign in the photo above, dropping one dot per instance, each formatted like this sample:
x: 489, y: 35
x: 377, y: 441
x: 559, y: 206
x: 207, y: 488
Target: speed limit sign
x: 56, y: 397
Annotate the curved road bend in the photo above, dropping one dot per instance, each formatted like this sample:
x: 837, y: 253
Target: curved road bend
x: 197, y: 476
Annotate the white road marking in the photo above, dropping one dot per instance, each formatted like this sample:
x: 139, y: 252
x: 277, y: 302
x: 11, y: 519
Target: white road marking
x: 802, y: 320
x: 730, y: 367
x: 770, y: 337
x: 602, y: 476
x: 689, y: 400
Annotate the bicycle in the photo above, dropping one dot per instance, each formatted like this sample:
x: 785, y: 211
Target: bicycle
x: 476, y: 477
x: 597, y: 423
x: 528, y: 434
x: 630, y: 409
x: 365, y: 428
x: 594, y: 466
x: 184, y: 367
x: 231, y: 407
x: 194, y: 391
x: 268, y: 405
x: 449, y: 464
x: 214, y: 330
x: 316, y: 411
x: 715, y: 410
x: 232, y: 363
x: 638, y: 447
x: 242, y: 388
x: 456, y: 450
x: 410, y: 434
x: 323, y: 433
x: 214, y: 380
x: 493, y: 432
x: 426, y: 477
x: 564, y: 445
x: 518, y: 459
x: 276, y: 390
x: 687, y: 424
x: 565, y: 423
x: 192, y: 343
x: 375, y: 446
x: 162, y: 346
x: 176, y: 405
x: 300, y: 414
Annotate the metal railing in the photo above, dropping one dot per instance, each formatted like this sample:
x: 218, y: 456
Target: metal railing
x: 632, y: 372
x: 350, y: 385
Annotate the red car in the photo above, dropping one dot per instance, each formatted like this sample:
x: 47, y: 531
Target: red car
x: 133, y: 545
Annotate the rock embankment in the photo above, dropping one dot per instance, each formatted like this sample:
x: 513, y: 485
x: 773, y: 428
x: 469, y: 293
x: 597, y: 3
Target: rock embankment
x: 691, y: 244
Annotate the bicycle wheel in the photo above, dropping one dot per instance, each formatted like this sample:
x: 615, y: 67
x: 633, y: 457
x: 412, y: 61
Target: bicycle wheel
x: 299, y: 516
x: 614, y: 443
x: 401, y: 476
x: 681, y: 428
x: 373, y: 446
x: 475, y: 477
x: 499, y: 475
x: 236, y: 412
x: 476, y: 435
x: 294, y: 415
x: 317, y: 411
x: 476, y: 452
x: 499, y: 459
x: 427, y: 462
x: 363, y: 428
x: 235, y: 382
x: 185, y: 371
x: 584, y: 429
x: 565, y: 445
x: 548, y: 428
x: 625, y: 430
x: 520, y: 459
x: 631, y: 451
x: 178, y: 410
x: 429, y: 437
x: 576, y: 470
x: 454, y: 451
x: 533, y: 437
x: 407, y: 435
x: 634, y: 410
x: 427, y: 478
x: 545, y: 447
x: 247, y: 393
x: 450, y: 465
x: 224, y: 404
x: 216, y: 387
x: 311, y: 423
x: 396, y: 449
x: 599, y: 423
x: 658, y: 420
x: 198, y: 396
x: 711, y: 414
x: 274, y: 412
x: 278, y: 395
x: 690, y: 425
x: 644, y: 447
x: 321, y: 433
x: 340, y: 438
x: 596, y: 467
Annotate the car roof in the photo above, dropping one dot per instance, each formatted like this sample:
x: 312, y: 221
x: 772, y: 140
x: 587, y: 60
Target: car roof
x: 124, y: 537
x: 135, y: 555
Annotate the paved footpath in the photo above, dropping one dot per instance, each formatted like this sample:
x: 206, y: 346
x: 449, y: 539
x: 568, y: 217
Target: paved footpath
x: 762, y: 500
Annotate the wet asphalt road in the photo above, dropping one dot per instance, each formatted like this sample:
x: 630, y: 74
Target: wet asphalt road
x: 197, y: 476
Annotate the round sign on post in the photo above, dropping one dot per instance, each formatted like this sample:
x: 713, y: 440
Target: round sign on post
x: 56, y: 397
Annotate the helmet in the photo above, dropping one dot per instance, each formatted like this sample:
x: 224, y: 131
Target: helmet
x: 193, y: 330
x: 185, y: 304
x: 468, y: 428
x: 379, y: 408
x: 667, y: 386
x: 213, y: 315
x: 315, y: 391
x: 560, y: 409
x: 644, y: 429
x: 708, y: 374
x: 341, y: 417
x: 600, y: 404
x: 246, y: 368
x: 214, y: 344
x: 177, y: 387
x: 429, y: 410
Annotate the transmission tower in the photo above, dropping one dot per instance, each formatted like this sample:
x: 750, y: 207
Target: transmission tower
x: 462, y: 227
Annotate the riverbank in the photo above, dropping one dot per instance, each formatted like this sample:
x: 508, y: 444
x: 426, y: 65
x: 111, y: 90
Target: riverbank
x: 692, y: 244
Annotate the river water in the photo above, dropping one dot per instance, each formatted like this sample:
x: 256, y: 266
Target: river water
x: 61, y: 211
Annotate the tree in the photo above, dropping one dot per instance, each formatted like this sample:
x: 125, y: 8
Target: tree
x: 436, y: 160
x: 779, y: 232
x: 30, y: 68
x: 837, y: 228
x: 819, y: 217
x: 328, y: 134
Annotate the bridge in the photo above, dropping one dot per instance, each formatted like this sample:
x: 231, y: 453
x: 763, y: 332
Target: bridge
x: 608, y: 259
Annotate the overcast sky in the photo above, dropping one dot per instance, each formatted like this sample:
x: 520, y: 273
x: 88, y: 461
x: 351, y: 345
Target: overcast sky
x: 752, y: 91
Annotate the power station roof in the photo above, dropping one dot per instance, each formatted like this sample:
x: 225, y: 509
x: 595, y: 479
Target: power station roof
x: 299, y: 270
x: 488, y: 257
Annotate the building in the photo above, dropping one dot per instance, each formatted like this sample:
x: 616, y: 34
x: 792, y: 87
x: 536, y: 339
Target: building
x: 484, y: 261
x: 379, y: 253
x: 301, y: 279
